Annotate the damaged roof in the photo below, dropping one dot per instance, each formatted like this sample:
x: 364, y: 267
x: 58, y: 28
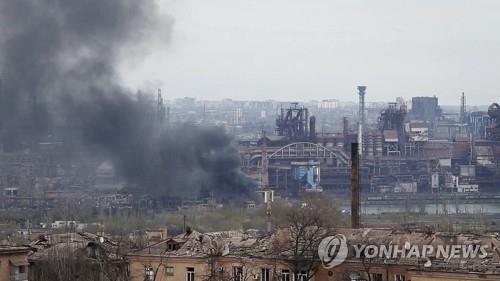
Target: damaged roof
x: 240, y: 244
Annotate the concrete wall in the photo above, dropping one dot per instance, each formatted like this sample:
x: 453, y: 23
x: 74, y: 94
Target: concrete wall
x: 8, y: 262
x: 253, y: 268
x: 343, y: 271
x: 138, y: 264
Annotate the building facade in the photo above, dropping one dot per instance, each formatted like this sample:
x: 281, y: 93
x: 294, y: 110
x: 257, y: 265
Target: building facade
x: 14, y: 263
x: 234, y: 256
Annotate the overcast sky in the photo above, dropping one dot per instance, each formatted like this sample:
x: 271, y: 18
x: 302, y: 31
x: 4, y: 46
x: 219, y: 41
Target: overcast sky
x: 322, y: 49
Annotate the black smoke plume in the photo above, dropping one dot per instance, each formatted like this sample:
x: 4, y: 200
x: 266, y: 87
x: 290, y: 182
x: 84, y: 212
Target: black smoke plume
x: 57, y: 71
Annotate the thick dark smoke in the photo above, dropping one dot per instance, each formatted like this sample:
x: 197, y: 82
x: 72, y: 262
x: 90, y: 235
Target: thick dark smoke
x: 57, y: 71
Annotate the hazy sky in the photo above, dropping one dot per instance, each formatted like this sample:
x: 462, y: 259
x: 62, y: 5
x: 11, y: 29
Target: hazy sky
x: 320, y: 49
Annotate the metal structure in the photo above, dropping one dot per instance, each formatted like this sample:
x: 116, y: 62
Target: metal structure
x: 312, y: 128
x: 267, y: 192
x: 309, y: 150
x: 391, y: 121
x: 392, y: 118
x: 494, y: 130
x: 307, y: 174
x: 361, y: 116
x: 479, y: 122
x: 355, y: 186
x: 293, y: 123
x: 345, y: 127
x: 463, y: 109
x: 264, y: 171
x: 160, y: 108
x: 425, y: 109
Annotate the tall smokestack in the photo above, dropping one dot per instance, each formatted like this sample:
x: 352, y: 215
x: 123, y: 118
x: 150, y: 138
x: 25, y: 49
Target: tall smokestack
x: 345, y: 127
x: 361, y: 116
x: 312, y: 128
x: 355, y: 189
x: 463, y: 109
x: 345, y: 131
x: 160, y: 109
x: 168, y: 115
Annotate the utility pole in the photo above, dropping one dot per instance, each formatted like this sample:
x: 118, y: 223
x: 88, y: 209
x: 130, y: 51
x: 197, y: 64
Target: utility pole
x: 268, y: 192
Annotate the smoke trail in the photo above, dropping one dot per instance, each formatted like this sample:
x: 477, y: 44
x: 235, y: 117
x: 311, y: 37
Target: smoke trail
x: 57, y: 69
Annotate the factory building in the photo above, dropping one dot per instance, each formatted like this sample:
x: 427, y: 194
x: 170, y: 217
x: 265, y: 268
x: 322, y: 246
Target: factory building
x: 421, y: 150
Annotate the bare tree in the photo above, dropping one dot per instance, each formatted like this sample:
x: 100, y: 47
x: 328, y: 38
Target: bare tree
x: 369, y: 256
x: 214, y: 249
x: 307, y: 223
x: 367, y: 263
x: 217, y: 252
x: 76, y: 261
x: 64, y: 265
x: 155, y: 271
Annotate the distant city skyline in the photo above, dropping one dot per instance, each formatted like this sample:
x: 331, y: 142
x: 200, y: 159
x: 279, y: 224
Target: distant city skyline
x: 299, y: 50
x: 382, y: 102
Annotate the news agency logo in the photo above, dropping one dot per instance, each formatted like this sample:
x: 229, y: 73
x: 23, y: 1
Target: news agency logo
x: 333, y: 250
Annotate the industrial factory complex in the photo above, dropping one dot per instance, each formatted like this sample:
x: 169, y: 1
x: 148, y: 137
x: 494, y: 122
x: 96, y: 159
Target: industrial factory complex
x: 405, y: 147
x: 249, y: 140
x: 367, y: 157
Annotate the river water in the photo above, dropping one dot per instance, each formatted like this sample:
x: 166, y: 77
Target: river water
x: 432, y: 209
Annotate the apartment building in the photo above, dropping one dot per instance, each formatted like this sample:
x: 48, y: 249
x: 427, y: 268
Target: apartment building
x: 14, y: 263
x: 236, y: 256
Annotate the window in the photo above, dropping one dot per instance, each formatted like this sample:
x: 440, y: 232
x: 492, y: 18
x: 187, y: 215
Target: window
x: 265, y: 274
x: 172, y: 246
x: 354, y: 276
x: 399, y: 277
x: 189, y: 273
x: 301, y: 276
x: 149, y: 273
x: 169, y: 270
x: 377, y: 277
x: 22, y: 269
x: 285, y: 275
x: 18, y: 272
x: 237, y: 273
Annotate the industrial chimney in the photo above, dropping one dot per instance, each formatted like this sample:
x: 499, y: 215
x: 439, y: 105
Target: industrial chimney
x: 361, y: 116
x: 345, y: 127
x: 312, y: 128
x: 355, y: 188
